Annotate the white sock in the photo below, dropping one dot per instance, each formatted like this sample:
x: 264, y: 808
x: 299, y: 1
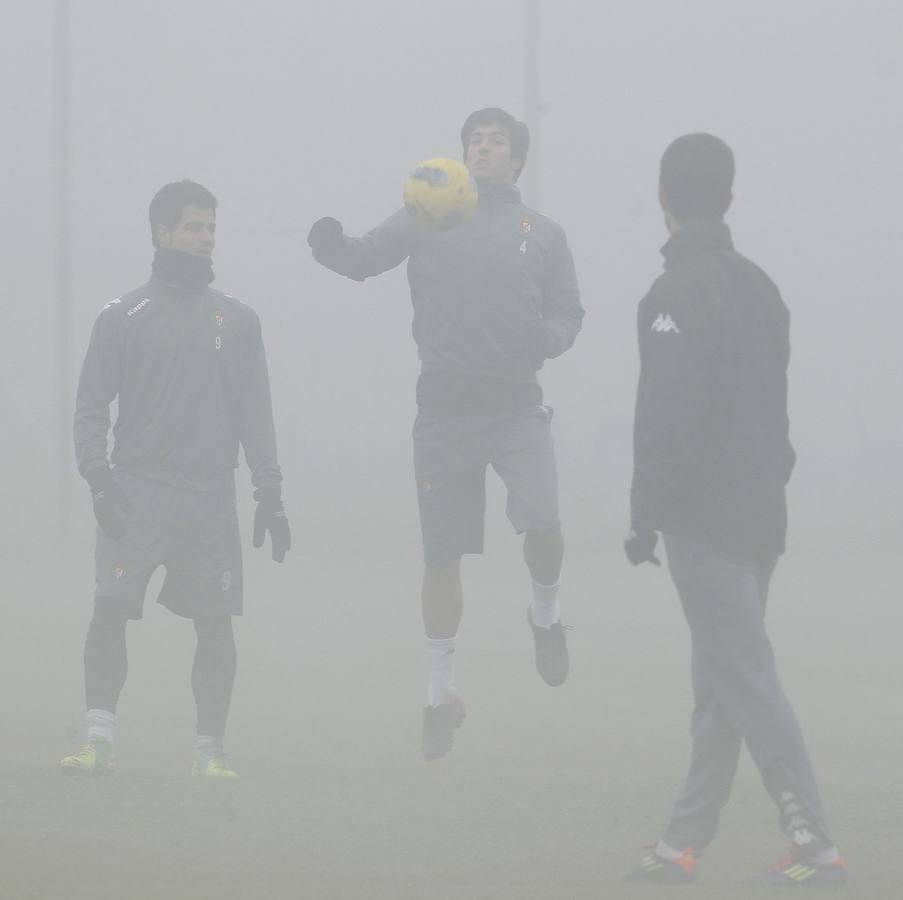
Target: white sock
x: 544, y: 609
x: 207, y: 744
x: 100, y: 724
x: 667, y: 852
x: 440, y: 661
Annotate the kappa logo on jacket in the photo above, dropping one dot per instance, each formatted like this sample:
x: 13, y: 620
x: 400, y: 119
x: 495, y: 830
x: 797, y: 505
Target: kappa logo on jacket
x: 138, y: 307
x: 664, y: 323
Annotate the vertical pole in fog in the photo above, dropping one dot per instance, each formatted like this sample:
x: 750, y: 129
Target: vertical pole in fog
x: 533, y: 106
x: 63, y: 262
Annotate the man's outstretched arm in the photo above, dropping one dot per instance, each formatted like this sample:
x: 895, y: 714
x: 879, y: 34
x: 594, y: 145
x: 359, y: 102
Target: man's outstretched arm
x: 381, y: 249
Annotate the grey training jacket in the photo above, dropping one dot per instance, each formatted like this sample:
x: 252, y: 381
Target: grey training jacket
x: 479, y: 288
x: 190, y: 373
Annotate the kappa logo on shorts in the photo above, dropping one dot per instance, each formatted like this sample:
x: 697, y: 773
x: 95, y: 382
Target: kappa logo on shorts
x: 226, y: 580
x: 118, y: 572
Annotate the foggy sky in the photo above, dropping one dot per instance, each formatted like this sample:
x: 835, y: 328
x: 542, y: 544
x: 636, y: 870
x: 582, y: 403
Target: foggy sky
x: 293, y: 111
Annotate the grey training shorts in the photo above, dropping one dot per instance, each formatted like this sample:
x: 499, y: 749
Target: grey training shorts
x: 451, y: 453
x: 194, y: 534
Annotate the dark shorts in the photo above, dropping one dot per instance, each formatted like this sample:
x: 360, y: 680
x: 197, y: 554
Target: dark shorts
x: 194, y: 534
x: 451, y: 453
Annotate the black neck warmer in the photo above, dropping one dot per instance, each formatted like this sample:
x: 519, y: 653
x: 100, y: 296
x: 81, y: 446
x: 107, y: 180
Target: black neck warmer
x: 193, y: 273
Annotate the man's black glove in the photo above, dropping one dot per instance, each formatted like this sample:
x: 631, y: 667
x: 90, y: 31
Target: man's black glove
x: 270, y: 516
x: 109, y: 501
x: 539, y: 345
x: 640, y: 547
x: 325, y: 234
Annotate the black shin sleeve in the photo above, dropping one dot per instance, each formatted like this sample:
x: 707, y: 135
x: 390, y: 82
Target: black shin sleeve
x: 106, y: 661
x: 213, y: 673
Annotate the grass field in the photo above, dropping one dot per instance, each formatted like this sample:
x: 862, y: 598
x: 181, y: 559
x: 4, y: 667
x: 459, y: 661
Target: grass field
x: 548, y: 794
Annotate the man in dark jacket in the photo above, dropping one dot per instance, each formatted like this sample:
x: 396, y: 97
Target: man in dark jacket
x: 187, y: 365
x: 493, y: 299
x: 711, y: 460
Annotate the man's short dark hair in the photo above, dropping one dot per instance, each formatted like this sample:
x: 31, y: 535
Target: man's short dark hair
x: 169, y: 202
x: 518, y: 133
x: 696, y: 177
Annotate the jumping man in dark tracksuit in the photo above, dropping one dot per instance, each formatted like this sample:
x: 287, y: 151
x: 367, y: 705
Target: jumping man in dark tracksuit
x: 187, y: 365
x: 711, y: 460
x: 493, y: 299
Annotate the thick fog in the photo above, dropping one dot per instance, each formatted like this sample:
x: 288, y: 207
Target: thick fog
x: 289, y: 112
x: 292, y: 111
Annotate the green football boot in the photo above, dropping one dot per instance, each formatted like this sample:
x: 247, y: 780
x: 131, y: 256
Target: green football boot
x: 95, y: 758
x: 212, y: 767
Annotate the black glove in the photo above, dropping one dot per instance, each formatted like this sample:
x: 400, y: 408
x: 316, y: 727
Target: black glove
x: 270, y: 516
x: 325, y: 234
x: 640, y: 547
x: 110, y: 502
x: 539, y: 345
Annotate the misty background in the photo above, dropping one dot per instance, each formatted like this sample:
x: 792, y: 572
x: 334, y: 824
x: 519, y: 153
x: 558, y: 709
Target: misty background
x: 292, y: 111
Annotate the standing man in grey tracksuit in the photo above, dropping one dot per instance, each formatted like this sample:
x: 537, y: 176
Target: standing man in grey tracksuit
x: 711, y: 459
x: 187, y: 366
x: 493, y: 299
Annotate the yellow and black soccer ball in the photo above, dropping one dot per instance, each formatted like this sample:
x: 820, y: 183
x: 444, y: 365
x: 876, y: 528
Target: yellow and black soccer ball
x: 440, y: 193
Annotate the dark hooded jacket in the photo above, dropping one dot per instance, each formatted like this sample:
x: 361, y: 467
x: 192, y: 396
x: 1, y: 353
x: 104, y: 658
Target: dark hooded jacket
x: 712, y: 453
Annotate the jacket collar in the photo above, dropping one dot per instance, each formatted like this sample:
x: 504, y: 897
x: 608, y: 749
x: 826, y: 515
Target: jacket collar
x: 695, y: 238
x: 182, y: 271
x: 498, y: 193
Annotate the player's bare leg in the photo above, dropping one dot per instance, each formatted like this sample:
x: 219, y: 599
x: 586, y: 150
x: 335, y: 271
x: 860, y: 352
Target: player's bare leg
x: 443, y: 608
x: 442, y: 599
x: 543, y: 553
